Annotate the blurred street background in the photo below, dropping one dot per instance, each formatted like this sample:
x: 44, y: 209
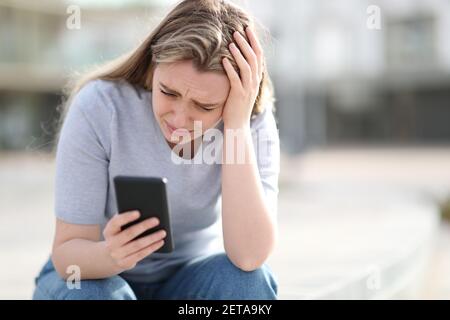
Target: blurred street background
x: 363, y: 111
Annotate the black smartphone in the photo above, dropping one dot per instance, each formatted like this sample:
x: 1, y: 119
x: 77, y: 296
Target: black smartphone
x: 149, y: 196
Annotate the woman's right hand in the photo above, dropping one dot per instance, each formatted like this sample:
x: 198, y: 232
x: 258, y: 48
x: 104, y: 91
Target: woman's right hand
x: 123, y: 250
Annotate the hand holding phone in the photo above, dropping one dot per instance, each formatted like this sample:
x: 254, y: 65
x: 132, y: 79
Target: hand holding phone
x: 123, y: 247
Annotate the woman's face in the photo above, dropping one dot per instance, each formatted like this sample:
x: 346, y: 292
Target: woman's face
x: 182, y: 95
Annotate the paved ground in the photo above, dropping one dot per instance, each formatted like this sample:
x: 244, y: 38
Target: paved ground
x: 353, y: 223
x: 362, y: 211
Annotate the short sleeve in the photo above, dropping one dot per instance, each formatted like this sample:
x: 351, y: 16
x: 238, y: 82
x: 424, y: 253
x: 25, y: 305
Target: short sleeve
x: 82, y: 161
x: 267, y: 147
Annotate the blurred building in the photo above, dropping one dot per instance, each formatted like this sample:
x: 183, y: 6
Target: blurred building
x: 340, y: 82
x: 337, y: 81
x: 41, y: 47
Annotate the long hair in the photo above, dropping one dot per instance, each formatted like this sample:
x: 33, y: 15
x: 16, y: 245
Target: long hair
x: 196, y: 30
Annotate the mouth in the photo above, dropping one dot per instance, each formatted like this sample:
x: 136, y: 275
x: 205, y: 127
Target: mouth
x: 173, y: 129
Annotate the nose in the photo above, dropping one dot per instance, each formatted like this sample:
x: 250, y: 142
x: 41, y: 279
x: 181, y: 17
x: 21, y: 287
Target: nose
x: 181, y: 118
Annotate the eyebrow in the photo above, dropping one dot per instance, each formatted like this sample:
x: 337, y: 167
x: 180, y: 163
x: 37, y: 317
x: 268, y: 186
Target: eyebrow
x: 166, y: 88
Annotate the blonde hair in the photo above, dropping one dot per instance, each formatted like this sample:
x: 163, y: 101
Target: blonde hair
x: 197, y: 30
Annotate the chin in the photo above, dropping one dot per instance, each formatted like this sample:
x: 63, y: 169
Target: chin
x: 179, y: 139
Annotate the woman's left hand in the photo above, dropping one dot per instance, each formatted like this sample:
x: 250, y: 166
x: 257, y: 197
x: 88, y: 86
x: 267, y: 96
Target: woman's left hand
x: 244, y: 89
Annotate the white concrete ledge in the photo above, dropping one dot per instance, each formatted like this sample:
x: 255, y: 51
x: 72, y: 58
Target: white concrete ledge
x: 358, y: 224
x: 335, y: 249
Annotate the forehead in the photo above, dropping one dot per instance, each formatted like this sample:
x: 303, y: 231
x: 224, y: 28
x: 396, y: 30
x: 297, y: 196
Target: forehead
x: 187, y: 80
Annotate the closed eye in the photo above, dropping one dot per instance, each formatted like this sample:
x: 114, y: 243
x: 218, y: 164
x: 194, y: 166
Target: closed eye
x: 166, y: 93
x: 206, y: 109
x: 172, y: 95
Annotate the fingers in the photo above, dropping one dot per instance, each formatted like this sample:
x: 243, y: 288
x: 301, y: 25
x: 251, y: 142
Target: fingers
x: 134, y: 258
x: 231, y: 73
x: 132, y: 232
x: 249, y: 54
x: 139, y: 244
x: 115, y: 224
x: 244, y: 67
x: 256, y: 46
x: 124, y: 252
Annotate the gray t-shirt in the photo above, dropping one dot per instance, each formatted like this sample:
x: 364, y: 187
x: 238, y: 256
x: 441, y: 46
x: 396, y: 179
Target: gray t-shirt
x: 110, y: 129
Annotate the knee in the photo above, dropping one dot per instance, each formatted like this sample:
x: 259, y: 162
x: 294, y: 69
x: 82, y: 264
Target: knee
x: 238, y: 284
x: 113, y: 288
x: 53, y: 287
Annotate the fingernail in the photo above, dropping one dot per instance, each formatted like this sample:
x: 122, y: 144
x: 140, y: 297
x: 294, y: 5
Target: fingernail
x: 232, y: 46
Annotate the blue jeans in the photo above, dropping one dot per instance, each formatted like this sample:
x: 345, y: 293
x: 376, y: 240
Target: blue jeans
x: 210, y: 277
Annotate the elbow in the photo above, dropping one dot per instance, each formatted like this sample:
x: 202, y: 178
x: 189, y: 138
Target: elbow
x: 249, y: 265
x: 253, y: 257
x: 68, y: 273
x: 58, y: 267
x: 64, y: 269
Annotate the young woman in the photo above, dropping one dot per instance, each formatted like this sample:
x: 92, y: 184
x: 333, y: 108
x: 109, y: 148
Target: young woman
x: 202, y: 64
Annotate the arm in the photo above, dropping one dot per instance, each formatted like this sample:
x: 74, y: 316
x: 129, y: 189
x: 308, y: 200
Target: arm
x: 248, y: 225
x: 80, y: 245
